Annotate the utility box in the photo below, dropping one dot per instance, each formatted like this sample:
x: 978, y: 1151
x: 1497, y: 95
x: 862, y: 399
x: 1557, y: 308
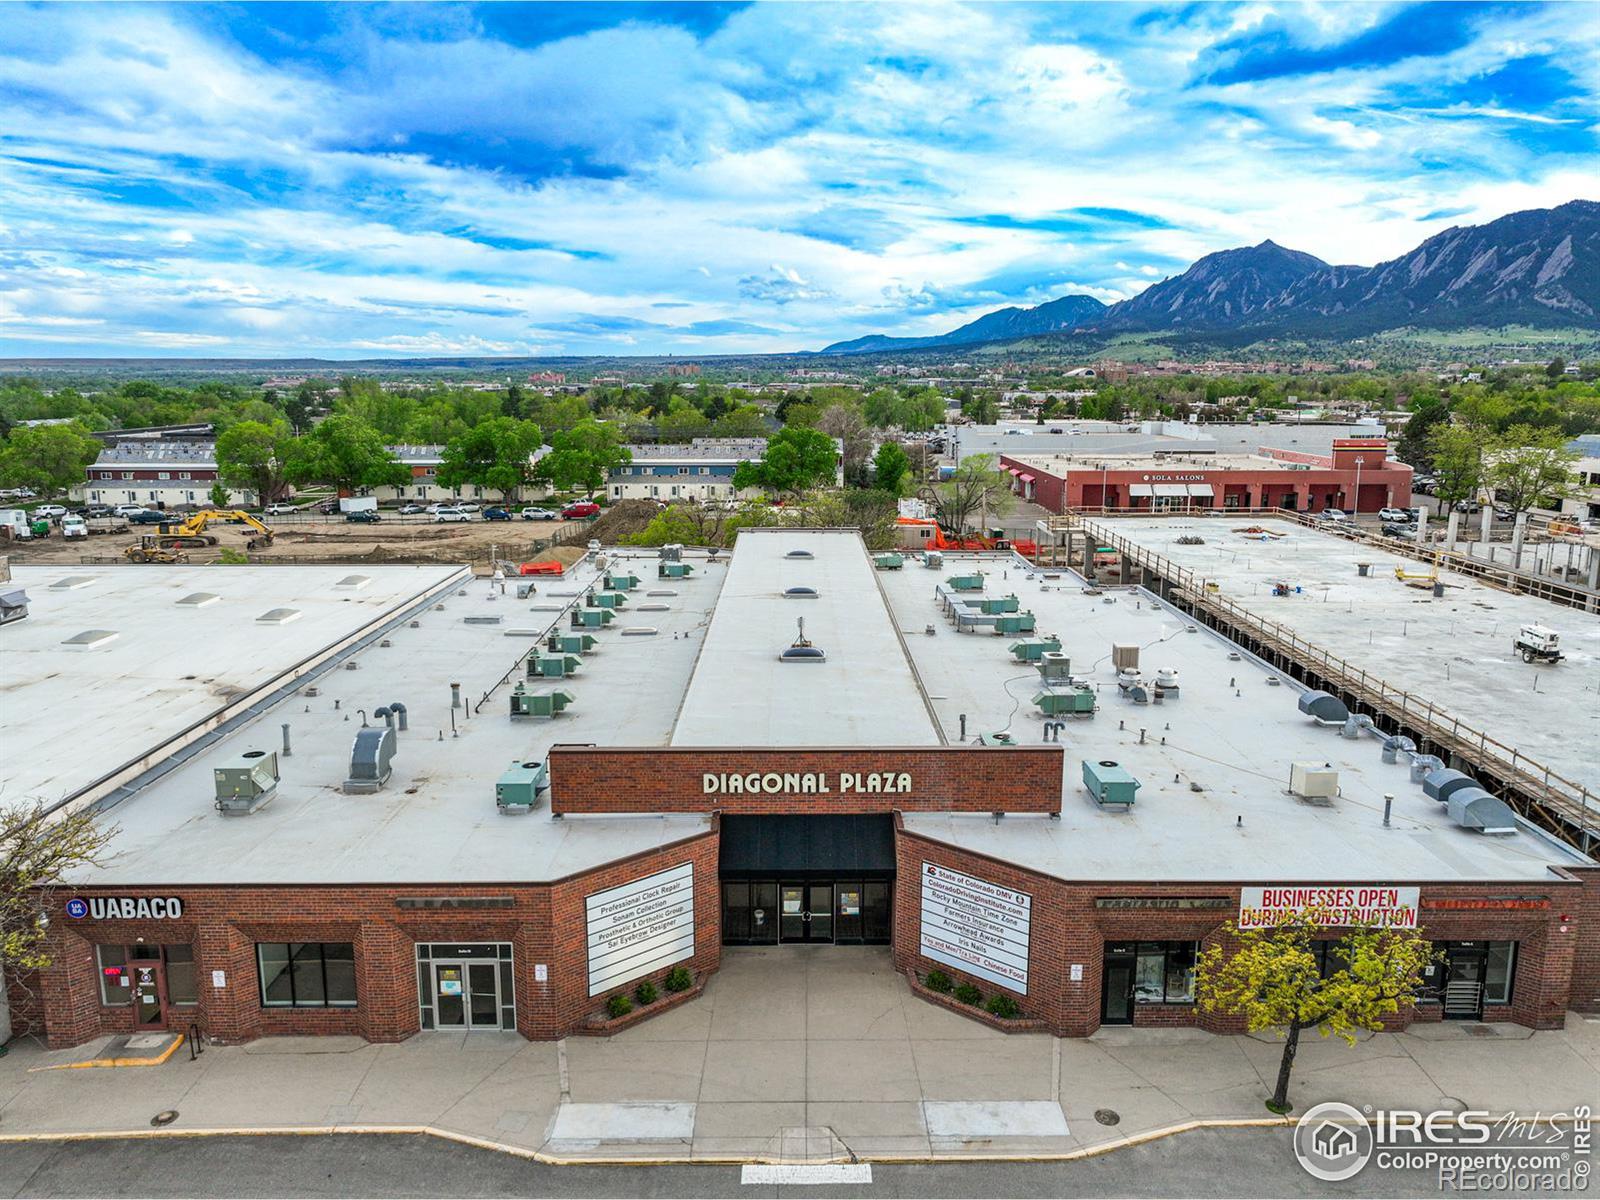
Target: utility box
x: 1313, y: 781
x: 245, y: 783
x: 888, y: 562
x: 1074, y: 701
x: 965, y: 583
x: 592, y: 618
x: 571, y: 643
x: 517, y: 791
x: 607, y: 600
x: 538, y: 704
x: 1109, y: 784
x: 1014, y: 623
x: 1125, y: 656
x: 621, y: 583
x: 1035, y: 650
x: 998, y: 604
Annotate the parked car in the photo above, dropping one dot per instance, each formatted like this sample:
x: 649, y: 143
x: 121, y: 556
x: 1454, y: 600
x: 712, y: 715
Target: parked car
x: 1468, y: 506
x: 50, y: 510
x: 540, y: 514
x: 1333, y: 514
x: 148, y: 516
x: 448, y: 514
x: 1399, y: 529
x: 74, y: 527
x: 127, y: 510
x: 496, y: 514
x: 97, y: 510
x: 580, y: 509
x: 467, y: 506
x: 328, y: 507
x: 278, y: 510
x: 406, y: 510
x: 362, y: 516
x: 1394, y: 514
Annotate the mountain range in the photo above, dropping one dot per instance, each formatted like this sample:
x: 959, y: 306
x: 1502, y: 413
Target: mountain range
x: 1538, y: 268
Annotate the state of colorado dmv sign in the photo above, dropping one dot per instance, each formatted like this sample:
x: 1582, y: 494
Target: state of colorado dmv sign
x: 976, y: 926
x: 640, y: 927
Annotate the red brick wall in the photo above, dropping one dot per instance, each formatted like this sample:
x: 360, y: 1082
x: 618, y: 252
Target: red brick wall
x: 545, y: 924
x: 1068, y: 928
x: 1585, y: 913
x: 943, y: 779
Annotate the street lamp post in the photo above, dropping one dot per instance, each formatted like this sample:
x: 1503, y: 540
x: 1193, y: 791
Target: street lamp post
x: 1356, y: 507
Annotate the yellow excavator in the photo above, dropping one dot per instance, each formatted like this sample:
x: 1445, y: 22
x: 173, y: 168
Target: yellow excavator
x: 190, y: 534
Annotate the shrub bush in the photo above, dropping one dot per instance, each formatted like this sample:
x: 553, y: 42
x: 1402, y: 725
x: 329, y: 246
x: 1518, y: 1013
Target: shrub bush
x: 1001, y: 1005
x: 968, y: 994
x: 938, y: 981
x: 679, y: 980
x: 646, y: 992
x: 618, y: 1006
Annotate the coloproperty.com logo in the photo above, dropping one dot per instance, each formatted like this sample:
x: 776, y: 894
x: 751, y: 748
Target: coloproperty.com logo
x: 1470, y: 1151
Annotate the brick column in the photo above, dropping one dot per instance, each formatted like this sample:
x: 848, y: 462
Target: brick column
x: 231, y: 1013
x: 386, y: 984
x: 69, y: 990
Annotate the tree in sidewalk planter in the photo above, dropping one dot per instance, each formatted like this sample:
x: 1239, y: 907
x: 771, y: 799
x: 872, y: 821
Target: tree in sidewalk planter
x: 583, y: 456
x: 496, y: 454
x: 977, y: 488
x: 796, y: 460
x: 1528, y: 465
x: 679, y: 979
x: 890, y: 466
x: 1270, y: 978
x: 36, y: 850
x: 254, y: 456
x: 347, y: 453
x: 47, y: 458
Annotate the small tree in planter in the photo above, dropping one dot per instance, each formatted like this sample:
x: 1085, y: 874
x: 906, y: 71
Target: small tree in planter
x: 678, y: 980
x: 968, y: 994
x: 1271, y: 979
x: 646, y: 993
x: 937, y: 981
x: 1002, y: 1006
x: 618, y: 1006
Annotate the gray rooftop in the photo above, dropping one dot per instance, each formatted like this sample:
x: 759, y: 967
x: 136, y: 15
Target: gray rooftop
x: 1455, y: 651
x: 864, y: 694
x: 1131, y: 438
x: 1231, y: 731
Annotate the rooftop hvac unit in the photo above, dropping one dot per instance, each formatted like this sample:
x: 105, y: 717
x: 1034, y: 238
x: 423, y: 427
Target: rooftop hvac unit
x: 888, y: 562
x: 1055, y: 667
x: 1033, y: 651
x: 593, y: 618
x: 538, y: 704
x: 674, y: 570
x: 371, y: 760
x: 1124, y: 656
x: 621, y: 583
x: 1073, y: 700
x: 1474, y: 808
x: 1323, y: 708
x: 998, y: 604
x: 933, y: 560
x: 571, y: 643
x: 517, y: 791
x: 607, y: 600
x: 1109, y: 784
x: 245, y: 783
x: 558, y: 666
x: 1311, y: 781
x: 1440, y: 785
x: 966, y: 583
x: 672, y: 552
x: 1011, y: 624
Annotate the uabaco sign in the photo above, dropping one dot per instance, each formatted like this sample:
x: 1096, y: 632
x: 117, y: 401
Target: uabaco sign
x: 805, y: 783
x: 1355, y: 904
x: 126, y: 908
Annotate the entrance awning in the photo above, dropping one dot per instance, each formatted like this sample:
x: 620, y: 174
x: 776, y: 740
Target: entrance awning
x: 1014, y: 470
x: 807, y: 844
x: 1201, y: 489
x: 1171, y: 489
x: 1025, y: 478
x: 1139, y: 489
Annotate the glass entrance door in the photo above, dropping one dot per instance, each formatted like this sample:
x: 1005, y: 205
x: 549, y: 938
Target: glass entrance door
x: 1116, y: 988
x: 466, y: 995
x: 807, y: 912
x: 1465, y: 968
x: 149, y: 994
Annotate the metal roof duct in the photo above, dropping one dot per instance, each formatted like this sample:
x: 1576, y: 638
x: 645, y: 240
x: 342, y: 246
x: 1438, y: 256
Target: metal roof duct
x: 1474, y: 808
x: 1323, y: 708
x: 1441, y: 784
x: 371, y: 760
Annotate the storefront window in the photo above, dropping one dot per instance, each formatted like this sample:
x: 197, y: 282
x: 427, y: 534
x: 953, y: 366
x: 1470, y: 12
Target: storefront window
x: 307, y: 974
x: 1164, y: 972
x: 180, y: 975
x: 1497, y: 980
x: 114, y: 989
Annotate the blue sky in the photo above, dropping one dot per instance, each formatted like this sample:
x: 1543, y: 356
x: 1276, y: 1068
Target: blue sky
x: 367, y: 180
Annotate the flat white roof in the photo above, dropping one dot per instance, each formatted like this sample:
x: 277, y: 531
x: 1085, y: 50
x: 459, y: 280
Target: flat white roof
x: 1219, y: 752
x: 69, y: 715
x: 1455, y: 651
x: 864, y: 694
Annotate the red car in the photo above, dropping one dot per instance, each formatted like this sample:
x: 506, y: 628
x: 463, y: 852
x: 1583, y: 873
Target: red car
x: 579, y: 509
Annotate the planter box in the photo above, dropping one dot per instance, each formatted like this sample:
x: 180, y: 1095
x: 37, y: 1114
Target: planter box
x: 600, y: 1025
x: 977, y: 1011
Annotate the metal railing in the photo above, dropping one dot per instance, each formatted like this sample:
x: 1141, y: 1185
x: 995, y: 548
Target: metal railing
x: 1572, y: 801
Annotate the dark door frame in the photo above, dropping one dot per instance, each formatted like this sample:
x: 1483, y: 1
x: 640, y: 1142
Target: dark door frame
x: 1478, y: 954
x: 1106, y: 960
x: 158, y: 975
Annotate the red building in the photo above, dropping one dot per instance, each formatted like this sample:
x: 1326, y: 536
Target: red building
x: 1358, y: 476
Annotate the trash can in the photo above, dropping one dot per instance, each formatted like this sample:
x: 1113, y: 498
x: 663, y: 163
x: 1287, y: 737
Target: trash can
x: 1363, y: 569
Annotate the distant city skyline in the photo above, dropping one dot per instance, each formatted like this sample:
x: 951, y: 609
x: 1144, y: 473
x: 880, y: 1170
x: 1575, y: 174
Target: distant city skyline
x: 358, y: 181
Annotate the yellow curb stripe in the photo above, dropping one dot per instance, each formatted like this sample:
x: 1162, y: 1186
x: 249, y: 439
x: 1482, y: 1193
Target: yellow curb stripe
x: 115, y: 1062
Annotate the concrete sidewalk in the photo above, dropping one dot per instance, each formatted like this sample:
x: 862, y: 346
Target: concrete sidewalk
x: 796, y: 1054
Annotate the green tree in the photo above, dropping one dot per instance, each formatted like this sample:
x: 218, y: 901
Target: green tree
x: 347, y: 453
x: 1414, y: 445
x: 1457, y: 462
x: 583, y: 456
x: 255, y: 456
x: 983, y: 408
x: 889, y: 468
x: 795, y: 461
x: 1557, y: 367
x: 976, y: 487
x: 37, y: 849
x: 1270, y: 978
x: 745, y: 421
x: 494, y: 454
x: 219, y: 495
x: 47, y: 458
x: 843, y: 421
x: 390, y: 413
x: 1527, y: 465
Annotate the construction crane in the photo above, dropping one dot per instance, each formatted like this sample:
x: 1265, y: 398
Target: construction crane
x: 190, y: 534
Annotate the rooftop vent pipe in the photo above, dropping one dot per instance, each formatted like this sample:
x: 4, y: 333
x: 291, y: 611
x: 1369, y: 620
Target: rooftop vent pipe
x: 399, y: 710
x: 1394, y: 747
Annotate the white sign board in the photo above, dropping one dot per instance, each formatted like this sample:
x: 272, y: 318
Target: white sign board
x: 1348, y: 904
x: 639, y: 927
x: 976, y: 926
